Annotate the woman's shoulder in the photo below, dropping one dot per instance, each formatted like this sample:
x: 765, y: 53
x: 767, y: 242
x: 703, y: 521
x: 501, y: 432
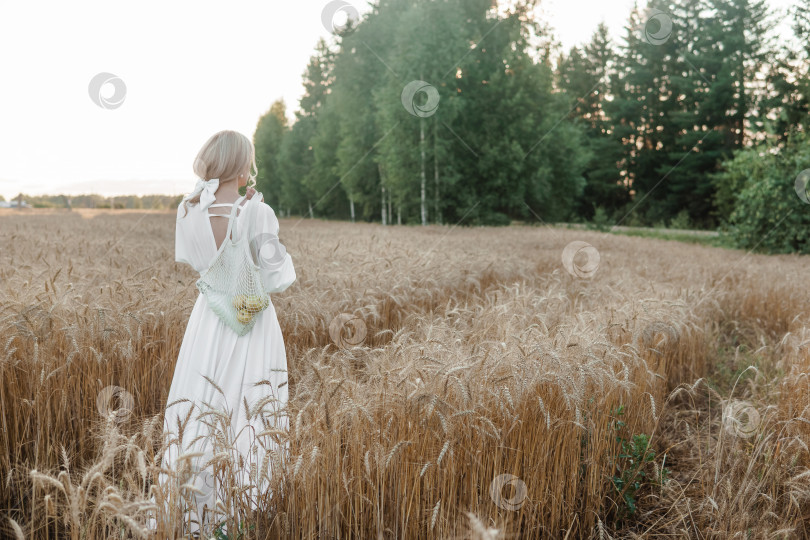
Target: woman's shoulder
x: 262, y: 208
x: 186, y: 208
x: 262, y: 216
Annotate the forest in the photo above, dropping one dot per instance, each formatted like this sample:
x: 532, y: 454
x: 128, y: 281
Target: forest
x: 467, y: 112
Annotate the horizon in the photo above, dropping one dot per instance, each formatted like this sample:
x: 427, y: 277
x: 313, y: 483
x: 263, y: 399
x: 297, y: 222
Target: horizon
x: 92, y: 148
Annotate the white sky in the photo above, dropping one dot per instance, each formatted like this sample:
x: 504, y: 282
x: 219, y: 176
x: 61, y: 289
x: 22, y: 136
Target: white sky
x: 190, y: 69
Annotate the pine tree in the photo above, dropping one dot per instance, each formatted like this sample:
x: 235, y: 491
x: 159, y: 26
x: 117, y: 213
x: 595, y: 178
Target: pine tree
x: 640, y: 109
x: 730, y: 50
x: 585, y: 77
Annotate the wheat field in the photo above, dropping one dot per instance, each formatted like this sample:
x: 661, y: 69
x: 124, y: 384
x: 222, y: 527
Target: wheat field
x: 471, y: 385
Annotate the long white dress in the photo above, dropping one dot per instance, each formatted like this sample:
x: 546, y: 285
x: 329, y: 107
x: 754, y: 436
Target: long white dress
x: 234, y: 363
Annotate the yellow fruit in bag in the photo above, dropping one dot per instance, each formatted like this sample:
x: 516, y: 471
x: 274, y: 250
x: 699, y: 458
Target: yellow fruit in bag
x: 239, y: 301
x: 244, y: 316
x: 255, y: 304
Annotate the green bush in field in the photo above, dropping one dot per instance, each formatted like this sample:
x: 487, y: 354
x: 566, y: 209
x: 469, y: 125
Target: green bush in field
x: 756, y: 197
x: 681, y: 221
x: 600, y: 221
x: 736, y: 173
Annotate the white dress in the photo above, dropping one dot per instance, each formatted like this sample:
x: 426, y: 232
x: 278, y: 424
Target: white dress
x: 235, y: 363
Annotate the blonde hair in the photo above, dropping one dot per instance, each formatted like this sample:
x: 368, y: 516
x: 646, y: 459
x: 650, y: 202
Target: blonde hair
x: 226, y: 155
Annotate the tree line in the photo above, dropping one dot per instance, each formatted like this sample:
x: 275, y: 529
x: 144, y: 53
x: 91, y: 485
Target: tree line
x: 458, y: 111
x: 94, y: 200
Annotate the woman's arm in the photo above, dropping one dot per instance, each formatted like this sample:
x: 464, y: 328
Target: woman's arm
x: 269, y: 254
x: 181, y: 250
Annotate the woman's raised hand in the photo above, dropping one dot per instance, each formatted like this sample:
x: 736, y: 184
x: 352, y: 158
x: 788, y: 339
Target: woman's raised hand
x: 250, y: 192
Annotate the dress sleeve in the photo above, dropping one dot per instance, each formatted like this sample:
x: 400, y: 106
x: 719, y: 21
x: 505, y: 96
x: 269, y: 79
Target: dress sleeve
x: 181, y: 251
x: 269, y: 254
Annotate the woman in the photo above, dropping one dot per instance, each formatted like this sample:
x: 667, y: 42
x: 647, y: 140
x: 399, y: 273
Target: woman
x: 213, y: 355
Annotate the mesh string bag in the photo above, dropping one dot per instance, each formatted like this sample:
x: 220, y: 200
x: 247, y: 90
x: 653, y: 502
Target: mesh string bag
x: 232, y: 284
